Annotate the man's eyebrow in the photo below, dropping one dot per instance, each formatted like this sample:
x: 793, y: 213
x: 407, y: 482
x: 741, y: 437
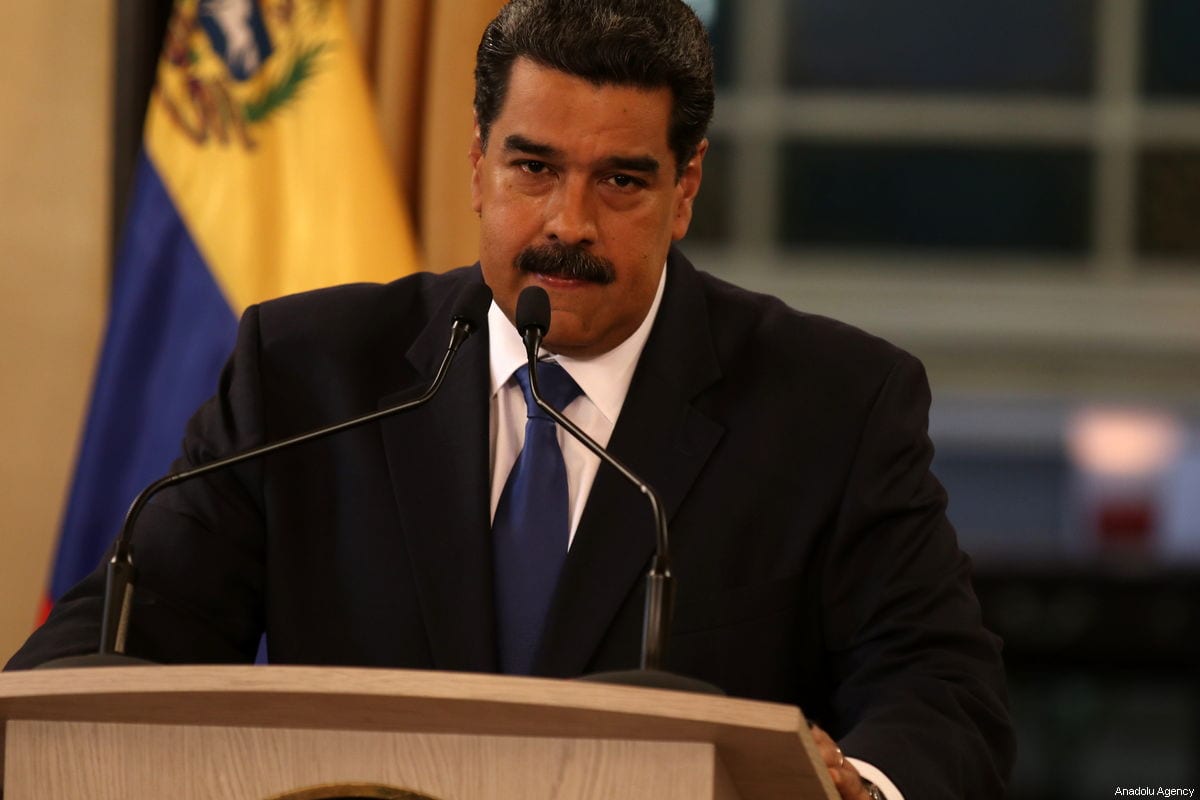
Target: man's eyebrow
x: 517, y: 142
x: 646, y: 164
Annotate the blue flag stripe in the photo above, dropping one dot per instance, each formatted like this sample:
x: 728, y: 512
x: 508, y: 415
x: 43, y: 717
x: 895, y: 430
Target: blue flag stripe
x: 170, y: 330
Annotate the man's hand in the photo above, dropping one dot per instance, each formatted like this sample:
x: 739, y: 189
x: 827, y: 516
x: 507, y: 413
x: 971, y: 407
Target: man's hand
x: 845, y: 777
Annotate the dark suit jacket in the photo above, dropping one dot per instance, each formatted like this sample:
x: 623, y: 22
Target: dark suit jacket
x: 814, y: 562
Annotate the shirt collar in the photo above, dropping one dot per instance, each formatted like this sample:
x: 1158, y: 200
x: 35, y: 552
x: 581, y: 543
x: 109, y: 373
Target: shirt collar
x: 604, y: 378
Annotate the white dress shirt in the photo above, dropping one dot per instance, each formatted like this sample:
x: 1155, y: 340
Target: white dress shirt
x: 605, y: 382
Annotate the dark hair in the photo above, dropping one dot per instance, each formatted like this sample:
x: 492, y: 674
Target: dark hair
x: 646, y: 43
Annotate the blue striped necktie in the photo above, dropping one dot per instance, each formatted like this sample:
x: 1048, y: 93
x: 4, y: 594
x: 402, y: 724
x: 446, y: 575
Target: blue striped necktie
x: 531, y: 530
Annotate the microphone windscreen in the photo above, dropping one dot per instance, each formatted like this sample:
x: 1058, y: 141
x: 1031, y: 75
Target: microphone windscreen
x: 533, y: 310
x: 471, y: 305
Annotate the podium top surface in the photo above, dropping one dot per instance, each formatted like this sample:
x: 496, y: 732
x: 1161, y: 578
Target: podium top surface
x: 758, y: 742
x: 374, y: 699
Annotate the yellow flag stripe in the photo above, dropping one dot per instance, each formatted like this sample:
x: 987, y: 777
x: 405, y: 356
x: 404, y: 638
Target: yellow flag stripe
x: 299, y: 199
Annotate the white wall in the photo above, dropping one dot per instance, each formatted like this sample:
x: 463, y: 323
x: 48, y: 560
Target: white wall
x: 55, y: 110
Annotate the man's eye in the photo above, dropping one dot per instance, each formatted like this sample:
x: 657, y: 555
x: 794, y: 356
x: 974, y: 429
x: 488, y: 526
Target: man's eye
x: 533, y: 167
x: 624, y: 181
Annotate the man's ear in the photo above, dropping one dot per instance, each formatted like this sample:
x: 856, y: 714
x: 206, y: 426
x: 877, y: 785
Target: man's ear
x: 686, y: 190
x: 475, y: 155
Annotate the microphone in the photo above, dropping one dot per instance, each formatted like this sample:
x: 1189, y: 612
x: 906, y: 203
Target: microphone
x: 533, y: 323
x: 469, y: 315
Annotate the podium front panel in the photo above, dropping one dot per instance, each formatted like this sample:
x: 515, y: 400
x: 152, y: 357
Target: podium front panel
x: 111, y: 760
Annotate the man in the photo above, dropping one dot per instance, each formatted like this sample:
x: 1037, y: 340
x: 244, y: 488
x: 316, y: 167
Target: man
x: 814, y: 562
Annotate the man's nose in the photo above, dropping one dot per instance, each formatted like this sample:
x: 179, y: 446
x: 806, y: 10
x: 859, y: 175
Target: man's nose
x: 571, y: 217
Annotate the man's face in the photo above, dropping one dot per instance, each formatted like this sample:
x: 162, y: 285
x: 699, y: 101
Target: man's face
x: 577, y: 194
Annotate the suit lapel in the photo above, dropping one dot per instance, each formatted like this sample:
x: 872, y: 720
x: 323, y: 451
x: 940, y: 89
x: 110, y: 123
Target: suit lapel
x: 666, y: 441
x: 437, y: 456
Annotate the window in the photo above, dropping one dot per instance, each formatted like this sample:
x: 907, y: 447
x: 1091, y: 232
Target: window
x: 1014, y: 184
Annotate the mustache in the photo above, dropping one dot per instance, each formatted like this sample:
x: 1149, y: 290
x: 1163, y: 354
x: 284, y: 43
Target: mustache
x: 572, y: 263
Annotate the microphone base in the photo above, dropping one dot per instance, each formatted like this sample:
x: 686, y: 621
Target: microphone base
x: 95, y: 660
x: 653, y: 679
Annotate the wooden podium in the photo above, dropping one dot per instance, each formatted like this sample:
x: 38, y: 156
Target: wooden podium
x: 236, y: 732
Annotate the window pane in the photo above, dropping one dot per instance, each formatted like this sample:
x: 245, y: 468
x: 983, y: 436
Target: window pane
x: 933, y: 45
x: 1006, y: 506
x: 1169, y: 202
x: 1171, y: 40
x: 936, y: 197
x: 718, y: 17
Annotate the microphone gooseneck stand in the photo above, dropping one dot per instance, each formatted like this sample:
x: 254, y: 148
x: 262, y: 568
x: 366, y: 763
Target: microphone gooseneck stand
x: 533, y: 323
x: 468, y: 316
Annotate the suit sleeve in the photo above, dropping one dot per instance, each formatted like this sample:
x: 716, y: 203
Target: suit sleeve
x: 197, y: 548
x: 918, y: 684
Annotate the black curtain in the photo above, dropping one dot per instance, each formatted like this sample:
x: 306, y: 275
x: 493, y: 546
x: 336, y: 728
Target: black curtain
x: 140, y: 27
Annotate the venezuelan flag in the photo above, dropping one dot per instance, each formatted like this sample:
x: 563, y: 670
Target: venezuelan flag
x: 262, y: 174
